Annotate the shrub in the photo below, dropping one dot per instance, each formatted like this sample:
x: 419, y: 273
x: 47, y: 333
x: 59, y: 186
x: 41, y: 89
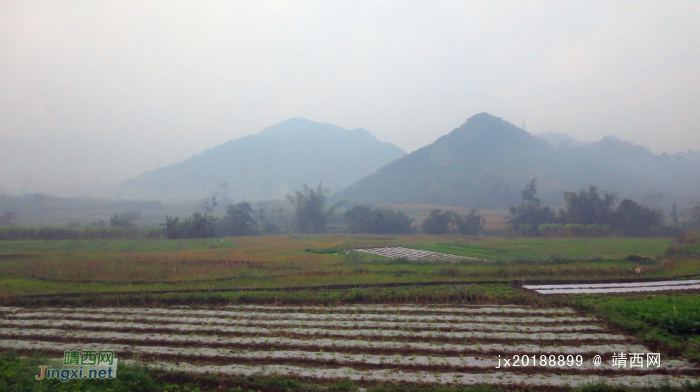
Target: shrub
x: 363, y: 219
x: 574, y: 230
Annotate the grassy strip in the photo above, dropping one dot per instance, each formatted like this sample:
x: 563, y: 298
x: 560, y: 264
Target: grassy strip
x: 233, y: 276
x: 473, y: 294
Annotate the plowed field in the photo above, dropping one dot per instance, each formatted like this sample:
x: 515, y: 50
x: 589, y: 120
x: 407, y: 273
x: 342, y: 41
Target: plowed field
x: 422, y: 344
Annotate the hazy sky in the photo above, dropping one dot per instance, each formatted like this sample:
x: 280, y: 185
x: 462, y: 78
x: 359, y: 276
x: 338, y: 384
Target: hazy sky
x: 99, y: 91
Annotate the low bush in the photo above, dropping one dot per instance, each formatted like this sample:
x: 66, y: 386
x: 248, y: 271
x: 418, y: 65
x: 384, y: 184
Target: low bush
x: 574, y: 230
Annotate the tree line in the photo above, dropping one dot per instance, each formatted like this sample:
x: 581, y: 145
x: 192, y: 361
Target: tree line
x: 311, y: 215
x: 585, y: 213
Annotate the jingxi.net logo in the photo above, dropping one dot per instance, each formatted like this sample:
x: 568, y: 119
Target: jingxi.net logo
x: 86, y: 364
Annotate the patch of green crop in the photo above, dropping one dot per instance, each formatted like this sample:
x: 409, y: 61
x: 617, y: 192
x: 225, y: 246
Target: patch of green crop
x: 508, y: 249
x: 693, y: 248
x: 324, y: 251
x: 669, y: 318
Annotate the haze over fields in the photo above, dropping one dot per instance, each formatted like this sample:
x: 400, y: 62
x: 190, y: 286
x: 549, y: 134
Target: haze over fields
x: 95, y: 93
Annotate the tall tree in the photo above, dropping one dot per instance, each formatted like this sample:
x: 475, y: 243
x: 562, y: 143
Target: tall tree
x: 209, y: 203
x: 173, y: 228
x: 635, y: 220
x: 222, y: 188
x: 530, y: 191
x: 438, y: 222
x: 239, y: 220
x: 674, y: 215
x: 527, y: 217
x: 310, y: 214
x: 694, y: 213
x: 588, y: 208
x: 198, y: 226
x: 471, y: 224
x: 125, y: 220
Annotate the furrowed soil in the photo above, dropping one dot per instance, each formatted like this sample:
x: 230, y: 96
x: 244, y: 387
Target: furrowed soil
x: 432, y: 356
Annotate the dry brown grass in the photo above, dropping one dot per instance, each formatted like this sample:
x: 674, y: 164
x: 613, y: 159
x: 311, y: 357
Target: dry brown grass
x: 254, y: 256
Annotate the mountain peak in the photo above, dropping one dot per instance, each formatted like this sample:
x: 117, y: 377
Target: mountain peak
x: 487, y: 123
x: 487, y: 130
x: 486, y: 161
x: 484, y: 117
x: 271, y: 163
x: 300, y: 127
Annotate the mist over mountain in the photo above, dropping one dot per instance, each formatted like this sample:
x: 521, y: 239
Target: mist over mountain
x: 555, y: 139
x: 487, y: 161
x: 270, y: 164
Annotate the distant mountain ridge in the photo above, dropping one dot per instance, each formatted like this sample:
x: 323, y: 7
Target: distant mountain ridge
x: 277, y: 160
x: 487, y: 161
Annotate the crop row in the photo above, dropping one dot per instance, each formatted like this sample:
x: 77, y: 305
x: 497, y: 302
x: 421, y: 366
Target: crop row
x: 313, y: 323
x: 326, y: 316
x: 448, y: 378
x: 323, y: 358
x: 223, y: 341
x: 377, y: 333
x: 431, y: 309
x: 444, y: 347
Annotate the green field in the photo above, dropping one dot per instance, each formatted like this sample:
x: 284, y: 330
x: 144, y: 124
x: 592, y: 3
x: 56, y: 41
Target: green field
x: 43, y: 267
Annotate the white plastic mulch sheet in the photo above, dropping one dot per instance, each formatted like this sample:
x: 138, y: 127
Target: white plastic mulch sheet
x: 419, y: 344
x: 415, y: 254
x: 601, y: 288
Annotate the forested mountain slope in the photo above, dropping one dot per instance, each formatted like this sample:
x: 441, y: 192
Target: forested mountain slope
x: 487, y: 161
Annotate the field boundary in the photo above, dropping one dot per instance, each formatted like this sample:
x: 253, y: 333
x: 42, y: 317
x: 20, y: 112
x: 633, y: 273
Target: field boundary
x: 518, y: 283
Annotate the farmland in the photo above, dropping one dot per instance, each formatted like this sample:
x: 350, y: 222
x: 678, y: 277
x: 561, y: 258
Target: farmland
x: 445, y: 336
x: 456, y: 345
x: 44, y: 267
